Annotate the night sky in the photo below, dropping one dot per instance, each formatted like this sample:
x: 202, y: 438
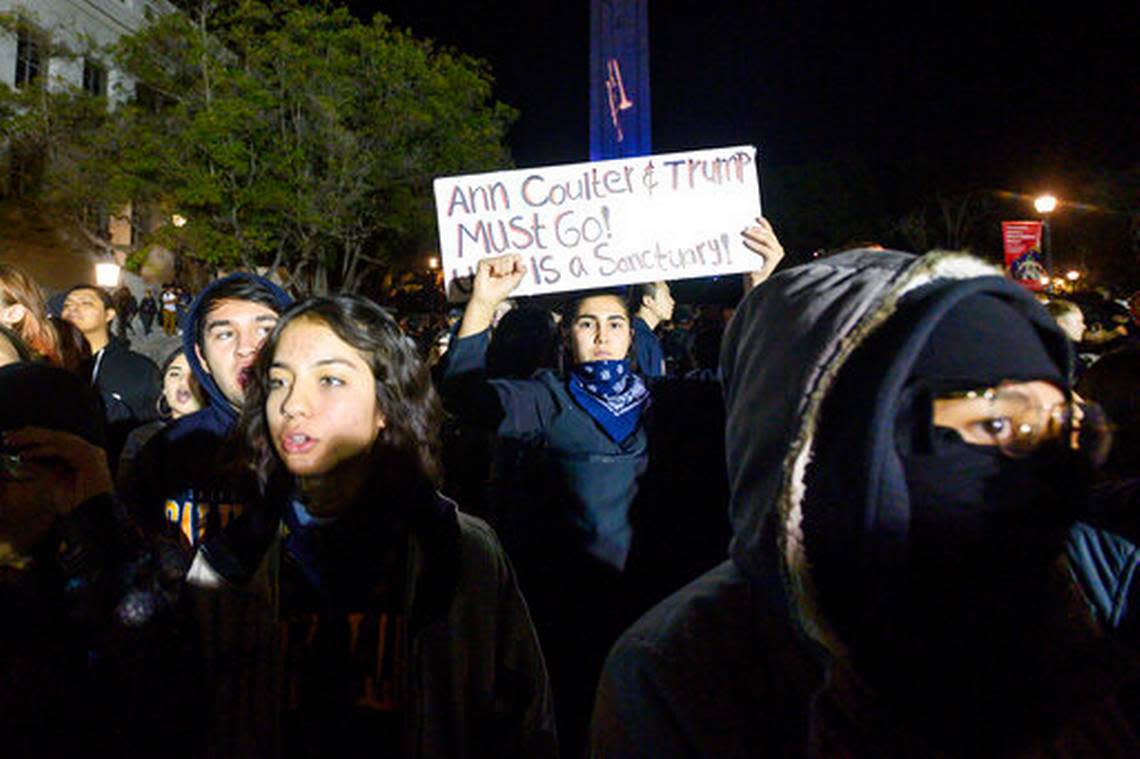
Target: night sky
x: 928, y: 97
x: 1012, y: 93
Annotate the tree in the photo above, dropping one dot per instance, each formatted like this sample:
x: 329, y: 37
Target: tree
x: 948, y: 221
x: 293, y: 137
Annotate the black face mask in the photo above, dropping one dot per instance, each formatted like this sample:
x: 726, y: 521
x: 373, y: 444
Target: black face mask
x: 971, y: 625
x: 973, y: 505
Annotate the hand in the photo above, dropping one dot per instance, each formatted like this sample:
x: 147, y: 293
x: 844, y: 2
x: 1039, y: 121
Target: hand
x: 761, y: 239
x: 66, y: 468
x: 495, y: 279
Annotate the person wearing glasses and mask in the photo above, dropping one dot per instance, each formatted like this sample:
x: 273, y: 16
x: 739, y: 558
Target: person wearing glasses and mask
x: 906, y: 460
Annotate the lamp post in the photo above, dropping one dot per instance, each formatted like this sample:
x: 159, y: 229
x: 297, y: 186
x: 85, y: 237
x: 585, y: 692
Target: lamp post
x: 1045, y: 205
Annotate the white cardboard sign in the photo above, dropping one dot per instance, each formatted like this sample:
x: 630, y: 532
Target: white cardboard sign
x: 603, y: 223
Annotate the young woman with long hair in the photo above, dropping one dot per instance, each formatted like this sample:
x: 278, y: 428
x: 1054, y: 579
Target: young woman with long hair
x: 391, y: 621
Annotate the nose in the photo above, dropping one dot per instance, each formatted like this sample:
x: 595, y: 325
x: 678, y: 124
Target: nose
x: 296, y: 403
x: 248, y: 342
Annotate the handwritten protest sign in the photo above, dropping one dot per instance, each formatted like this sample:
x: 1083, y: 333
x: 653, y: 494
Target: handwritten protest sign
x: 604, y: 223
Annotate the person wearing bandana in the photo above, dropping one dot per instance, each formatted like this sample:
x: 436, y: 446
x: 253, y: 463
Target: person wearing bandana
x: 571, y: 449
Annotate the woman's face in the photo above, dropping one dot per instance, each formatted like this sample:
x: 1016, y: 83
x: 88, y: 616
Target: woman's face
x: 321, y: 407
x: 600, y: 330
x: 176, y: 387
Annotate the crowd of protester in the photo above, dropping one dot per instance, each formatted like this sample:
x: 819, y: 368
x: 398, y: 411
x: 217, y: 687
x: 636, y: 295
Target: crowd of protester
x: 885, y: 505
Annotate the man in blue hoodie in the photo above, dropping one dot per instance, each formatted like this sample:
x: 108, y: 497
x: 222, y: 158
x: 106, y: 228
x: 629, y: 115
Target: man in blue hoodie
x: 180, y: 476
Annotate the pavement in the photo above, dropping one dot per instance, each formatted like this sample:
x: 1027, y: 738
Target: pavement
x: 156, y: 346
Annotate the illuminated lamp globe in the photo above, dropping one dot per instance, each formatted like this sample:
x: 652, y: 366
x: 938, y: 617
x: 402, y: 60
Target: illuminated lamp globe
x: 1072, y: 275
x: 107, y: 274
x: 1045, y: 204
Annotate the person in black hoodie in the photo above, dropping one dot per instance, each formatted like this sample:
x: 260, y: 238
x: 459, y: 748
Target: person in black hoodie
x: 906, y: 460
x: 178, y: 476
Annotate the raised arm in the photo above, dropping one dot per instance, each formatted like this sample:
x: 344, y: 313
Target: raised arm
x: 495, y: 279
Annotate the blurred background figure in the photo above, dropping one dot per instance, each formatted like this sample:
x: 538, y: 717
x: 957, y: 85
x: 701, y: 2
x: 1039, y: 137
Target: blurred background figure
x: 148, y: 309
x: 22, y: 308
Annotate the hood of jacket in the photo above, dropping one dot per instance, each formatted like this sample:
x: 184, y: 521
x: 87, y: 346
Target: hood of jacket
x: 219, y: 408
x: 781, y: 356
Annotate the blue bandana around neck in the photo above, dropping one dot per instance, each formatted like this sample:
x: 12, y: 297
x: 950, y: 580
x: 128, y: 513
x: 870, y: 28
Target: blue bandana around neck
x: 610, y: 392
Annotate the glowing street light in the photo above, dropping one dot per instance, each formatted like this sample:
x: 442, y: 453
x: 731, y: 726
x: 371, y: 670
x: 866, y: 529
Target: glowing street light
x: 1045, y: 203
x: 433, y: 263
x: 107, y: 274
x: 1072, y: 275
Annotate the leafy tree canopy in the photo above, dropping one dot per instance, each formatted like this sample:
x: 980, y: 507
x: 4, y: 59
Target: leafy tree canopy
x: 287, y: 135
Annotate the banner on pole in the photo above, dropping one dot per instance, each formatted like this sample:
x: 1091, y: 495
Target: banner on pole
x: 604, y: 223
x: 1023, y: 257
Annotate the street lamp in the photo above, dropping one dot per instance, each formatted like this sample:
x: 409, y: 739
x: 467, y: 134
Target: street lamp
x: 107, y: 274
x: 1072, y: 275
x: 1045, y: 205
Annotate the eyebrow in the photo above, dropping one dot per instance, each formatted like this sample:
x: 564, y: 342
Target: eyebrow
x: 322, y: 362
x: 595, y: 317
x: 229, y: 322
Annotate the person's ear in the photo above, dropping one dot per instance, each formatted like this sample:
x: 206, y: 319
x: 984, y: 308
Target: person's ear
x: 202, y: 360
x: 13, y: 314
x: 110, y: 315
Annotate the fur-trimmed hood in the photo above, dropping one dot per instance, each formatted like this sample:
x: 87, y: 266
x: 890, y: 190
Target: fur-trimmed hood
x: 781, y: 355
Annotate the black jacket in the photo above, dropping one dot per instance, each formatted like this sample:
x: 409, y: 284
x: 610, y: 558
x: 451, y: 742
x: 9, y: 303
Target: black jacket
x: 746, y: 660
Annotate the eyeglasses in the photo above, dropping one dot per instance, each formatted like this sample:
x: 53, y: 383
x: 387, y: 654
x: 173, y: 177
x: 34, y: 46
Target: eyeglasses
x: 1019, y: 424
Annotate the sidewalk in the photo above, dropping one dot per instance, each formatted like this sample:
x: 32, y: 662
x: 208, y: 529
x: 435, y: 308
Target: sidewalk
x: 156, y: 346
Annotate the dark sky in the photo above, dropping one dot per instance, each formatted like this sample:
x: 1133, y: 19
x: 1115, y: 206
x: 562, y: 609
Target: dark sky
x: 951, y: 95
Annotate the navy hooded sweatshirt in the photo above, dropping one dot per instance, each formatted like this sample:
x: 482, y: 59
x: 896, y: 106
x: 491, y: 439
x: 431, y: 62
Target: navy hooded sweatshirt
x: 178, y: 471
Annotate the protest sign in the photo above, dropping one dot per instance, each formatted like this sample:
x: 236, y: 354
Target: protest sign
x: 604, y: 223
x: 1023, y: 258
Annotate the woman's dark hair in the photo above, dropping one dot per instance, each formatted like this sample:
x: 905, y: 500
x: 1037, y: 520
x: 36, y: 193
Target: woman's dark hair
x: 74, y: 350
x: 407, y: 448
x: 525, y: 340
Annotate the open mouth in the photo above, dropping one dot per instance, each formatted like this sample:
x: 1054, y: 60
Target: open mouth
x: 245, y: 376
x: 297, y: 442
x: 182, y: 397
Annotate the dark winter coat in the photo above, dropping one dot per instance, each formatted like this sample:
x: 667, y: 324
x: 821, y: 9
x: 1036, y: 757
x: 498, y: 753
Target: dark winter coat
x: 745, y: 661
x: 473, y: 678
x: 570, y: 485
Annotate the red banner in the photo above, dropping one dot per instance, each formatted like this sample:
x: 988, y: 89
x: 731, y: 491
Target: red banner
x: 1024, y: 259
